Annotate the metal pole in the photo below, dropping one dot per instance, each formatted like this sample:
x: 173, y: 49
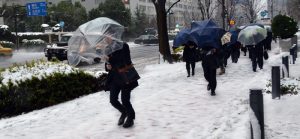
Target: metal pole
x: 272, y: 9
x: 16, y: 26
x: 275, y: 82
x: 257, y: 106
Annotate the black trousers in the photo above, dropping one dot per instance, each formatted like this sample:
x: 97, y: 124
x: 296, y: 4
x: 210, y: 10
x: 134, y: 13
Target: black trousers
x: 210, y: 76
x: 126, y: 106
x: 190, y: 65
x: 257, y: 60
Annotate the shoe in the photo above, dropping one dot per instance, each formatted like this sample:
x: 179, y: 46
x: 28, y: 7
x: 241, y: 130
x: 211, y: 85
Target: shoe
x: 122, y: 119
x: 208, y: 87
x: 188, y: 76
x: 128, y: 123
x: 193, y: 73
x: 254, y: 70
x: 213, y: 93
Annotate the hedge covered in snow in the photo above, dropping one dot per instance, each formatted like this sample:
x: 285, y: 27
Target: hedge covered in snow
x: 41, y: 84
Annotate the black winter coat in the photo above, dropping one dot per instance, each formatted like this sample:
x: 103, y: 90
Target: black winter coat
x: 210, y: 60
x: 119, y: 59
x: 189, y: 54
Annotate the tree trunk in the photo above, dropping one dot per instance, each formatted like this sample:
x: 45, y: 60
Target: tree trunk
x: 164, y: 47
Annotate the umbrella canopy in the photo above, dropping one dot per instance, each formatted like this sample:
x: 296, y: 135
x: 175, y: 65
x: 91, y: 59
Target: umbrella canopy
x: 207, y: 33
x: 251, y: 35
x: 182, y: 37
x: 95, y: 39
x: 268, y: 28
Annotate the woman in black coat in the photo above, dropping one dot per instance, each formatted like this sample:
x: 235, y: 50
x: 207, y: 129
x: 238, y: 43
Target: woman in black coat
x: 117, y: 62
x: 210, y: 65
x: 189, y: 56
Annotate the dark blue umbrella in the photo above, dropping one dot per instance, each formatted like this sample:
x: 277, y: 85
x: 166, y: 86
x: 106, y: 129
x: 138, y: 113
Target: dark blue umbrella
x: 182, y: 37
x: 234, y: 37
x: 207, y: 33
x: 202, y: 24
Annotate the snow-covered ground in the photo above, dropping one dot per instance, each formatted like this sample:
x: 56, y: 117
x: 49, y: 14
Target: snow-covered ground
x: 169, y: 105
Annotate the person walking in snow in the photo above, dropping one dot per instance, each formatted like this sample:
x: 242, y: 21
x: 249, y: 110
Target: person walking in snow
x: 118, y: 62
x: 210, y: 65
x: 268, y: 40
x: 189, y: 56
x: 256, y: 53
x: 235, y: 52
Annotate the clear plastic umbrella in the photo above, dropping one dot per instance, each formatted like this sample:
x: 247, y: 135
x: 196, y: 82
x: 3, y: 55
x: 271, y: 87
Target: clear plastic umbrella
x: 252, y: 35
x: 95, y: 39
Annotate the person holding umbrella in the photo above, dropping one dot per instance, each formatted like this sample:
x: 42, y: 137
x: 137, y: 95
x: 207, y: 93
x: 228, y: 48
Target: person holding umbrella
x: 189, y: 56
x: 101, y: 37
x: 210, y: 65
x: 118, y: 61
x: 254, y: 38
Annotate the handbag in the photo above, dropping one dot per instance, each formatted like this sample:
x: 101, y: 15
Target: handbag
x: 266, y: 55
x: 129, y: 74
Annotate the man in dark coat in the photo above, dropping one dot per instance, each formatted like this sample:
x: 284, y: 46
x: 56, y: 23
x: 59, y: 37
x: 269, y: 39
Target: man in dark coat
x: 118, y: 61
x: 257, y: 54
x: 210, y: 65
x: 189, y: 56
x: 268, y: 40
x: 235, y: 52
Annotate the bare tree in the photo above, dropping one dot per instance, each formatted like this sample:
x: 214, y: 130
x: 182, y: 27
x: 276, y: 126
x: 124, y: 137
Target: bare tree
x: 207, y: 8
x: 294, y: 5
x: 161, y: 14
x: 251, y: 8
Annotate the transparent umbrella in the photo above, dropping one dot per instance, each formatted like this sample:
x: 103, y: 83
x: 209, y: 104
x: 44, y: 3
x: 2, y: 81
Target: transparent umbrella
x: 252, y: 35
x: 95, y: 39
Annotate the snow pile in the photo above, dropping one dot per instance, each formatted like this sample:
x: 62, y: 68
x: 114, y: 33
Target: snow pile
x: 38, y: 69
x: 4, y: 27
x: 34, y: 41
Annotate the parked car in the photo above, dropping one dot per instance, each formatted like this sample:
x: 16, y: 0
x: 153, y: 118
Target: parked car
x: 5, y: 51
x: 146, y: 39
x: 59, y: 49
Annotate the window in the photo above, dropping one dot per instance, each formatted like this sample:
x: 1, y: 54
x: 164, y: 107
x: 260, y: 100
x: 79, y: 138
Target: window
x: 97, y: 1
x: 143, y: 8
x: 150, y: 9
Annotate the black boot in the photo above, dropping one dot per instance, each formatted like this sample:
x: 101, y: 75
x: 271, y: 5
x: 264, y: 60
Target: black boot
x: 193, y: 72
x: 213, y: 93
x: 122, y: 119
x: 129, y: 123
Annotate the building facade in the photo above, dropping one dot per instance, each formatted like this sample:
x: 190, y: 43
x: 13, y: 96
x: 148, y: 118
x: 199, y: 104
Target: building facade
x: 181, y: 13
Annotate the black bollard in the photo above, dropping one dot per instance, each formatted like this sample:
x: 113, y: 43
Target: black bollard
x: 257, y: 106
x: 285, y: 62
x: 275, y: 82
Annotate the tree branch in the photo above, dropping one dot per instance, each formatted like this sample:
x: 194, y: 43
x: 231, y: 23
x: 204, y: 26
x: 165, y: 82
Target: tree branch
x: 172, y: 6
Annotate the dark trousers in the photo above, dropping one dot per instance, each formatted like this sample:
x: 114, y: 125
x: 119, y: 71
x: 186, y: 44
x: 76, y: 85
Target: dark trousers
x: 235, y: 54
x: 257, y: 60
x: 188, y: 66
x: 210, y: 76
x: 126, y: 106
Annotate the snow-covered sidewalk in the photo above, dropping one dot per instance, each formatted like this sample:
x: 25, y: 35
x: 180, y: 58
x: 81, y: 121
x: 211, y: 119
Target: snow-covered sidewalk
x: 169, y: 105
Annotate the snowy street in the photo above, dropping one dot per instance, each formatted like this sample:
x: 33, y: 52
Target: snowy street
x: 169, y: 105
